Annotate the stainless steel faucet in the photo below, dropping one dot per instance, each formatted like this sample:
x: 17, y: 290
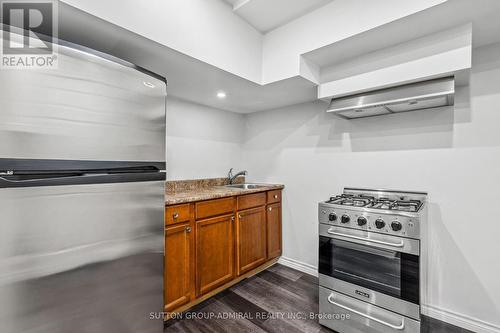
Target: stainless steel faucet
x: 231, y: 177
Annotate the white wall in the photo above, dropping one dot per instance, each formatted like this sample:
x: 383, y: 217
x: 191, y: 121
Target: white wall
x: 202, y: 142
x: 452, y: 153
x: 206, y: 30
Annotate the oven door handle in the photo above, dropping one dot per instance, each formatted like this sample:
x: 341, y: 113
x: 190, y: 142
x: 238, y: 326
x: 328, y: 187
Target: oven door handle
x: 396, y: 327
x: 400, y: 244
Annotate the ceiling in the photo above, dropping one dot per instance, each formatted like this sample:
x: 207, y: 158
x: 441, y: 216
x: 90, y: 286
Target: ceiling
x: 266, y: 15
x: 198, y: 82
x: 188, y: 78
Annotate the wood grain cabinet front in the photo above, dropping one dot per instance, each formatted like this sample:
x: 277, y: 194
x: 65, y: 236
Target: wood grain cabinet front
x: 215, y: 207
x: 212, y: 244
x: 178, y: 266
x: 214, y: 252
x: 274, y: 239
x: 250, y: 239
x: 177, y: 214
x: 251, y: 200
x: 273, y: 196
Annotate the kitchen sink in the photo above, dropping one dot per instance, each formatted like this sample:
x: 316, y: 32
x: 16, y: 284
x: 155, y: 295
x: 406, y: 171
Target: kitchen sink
x: 246, y: 186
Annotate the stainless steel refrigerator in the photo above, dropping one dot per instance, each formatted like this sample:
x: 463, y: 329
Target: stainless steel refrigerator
x: 82, y: 160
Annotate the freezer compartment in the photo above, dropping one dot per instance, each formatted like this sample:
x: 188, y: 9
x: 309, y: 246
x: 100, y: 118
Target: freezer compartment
x: 88, y: 108
x: 345, y: 314
x: 85, y: 258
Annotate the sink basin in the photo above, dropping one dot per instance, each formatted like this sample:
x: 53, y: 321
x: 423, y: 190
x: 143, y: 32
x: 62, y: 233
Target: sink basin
x: 245, y: 186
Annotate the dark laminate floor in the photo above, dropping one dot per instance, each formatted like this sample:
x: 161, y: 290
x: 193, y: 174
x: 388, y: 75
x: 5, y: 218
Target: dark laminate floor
x: 280, y: 291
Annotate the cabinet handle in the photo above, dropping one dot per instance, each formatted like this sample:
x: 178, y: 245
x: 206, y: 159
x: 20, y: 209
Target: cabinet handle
x: 239, y: 216
x: 270, y: 209
x: 175, y: 215
x: 275, y: 196
x: 380, y: 321
x: 332, y: 232
x: 188, y: 229
x: 232, y: 218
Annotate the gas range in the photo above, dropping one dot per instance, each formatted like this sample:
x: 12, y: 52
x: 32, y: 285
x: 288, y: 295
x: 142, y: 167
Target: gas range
x: 381, y: 211
x: 369, y: 260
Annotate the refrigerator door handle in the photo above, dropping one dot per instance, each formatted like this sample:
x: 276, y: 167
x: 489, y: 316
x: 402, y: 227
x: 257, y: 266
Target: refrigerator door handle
x: 80, y: 179
x: 33, y: 179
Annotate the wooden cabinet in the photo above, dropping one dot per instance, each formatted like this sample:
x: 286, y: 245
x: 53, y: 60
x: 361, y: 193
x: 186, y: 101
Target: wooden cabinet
x: 179, y: 271
x: 212, y: 244
x: 214, y: 253
x: 250, y: 239
x: 274, y: 238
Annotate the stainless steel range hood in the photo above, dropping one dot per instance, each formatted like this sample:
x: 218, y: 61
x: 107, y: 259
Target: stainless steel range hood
x: 408, y: 97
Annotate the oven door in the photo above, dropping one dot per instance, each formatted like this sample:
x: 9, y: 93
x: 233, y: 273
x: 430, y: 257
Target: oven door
x: 376, y: 268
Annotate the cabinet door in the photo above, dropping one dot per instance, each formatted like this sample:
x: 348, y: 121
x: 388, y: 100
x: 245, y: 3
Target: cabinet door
x: 251, y: 239
x: 273, y: 230
x: 178, y: 266
x: 214, y: 253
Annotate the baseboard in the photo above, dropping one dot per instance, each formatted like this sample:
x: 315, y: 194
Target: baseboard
x: 300, y: 266
x: 450, y: 317
x: 460, y: 320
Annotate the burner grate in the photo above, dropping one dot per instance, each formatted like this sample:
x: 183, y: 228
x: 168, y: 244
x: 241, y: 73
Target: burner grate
x: 351, y: 200
x: 380, y: 203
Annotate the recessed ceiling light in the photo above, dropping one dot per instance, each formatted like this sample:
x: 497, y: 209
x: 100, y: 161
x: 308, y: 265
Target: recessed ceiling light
x: 221, y: 94
x: 148, y: 84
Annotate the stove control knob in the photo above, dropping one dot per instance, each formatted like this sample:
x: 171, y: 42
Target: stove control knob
x: 396, y: 226
x: 361, y: 221
x: 379, y: 223
x: 345, y: 218
x: 332, y: 217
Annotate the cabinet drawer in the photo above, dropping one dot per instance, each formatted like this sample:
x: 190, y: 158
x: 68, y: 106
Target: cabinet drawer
x: 214, y: 207
x: 251, y: 200
x: 177, y: 214
x: 274, y: 196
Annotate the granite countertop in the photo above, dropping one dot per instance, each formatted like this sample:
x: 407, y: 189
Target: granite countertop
x: 183, y: 191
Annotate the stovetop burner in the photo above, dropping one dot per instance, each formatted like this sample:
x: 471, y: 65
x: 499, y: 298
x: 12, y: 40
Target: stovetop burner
x: 407, y: 206
x: 351, y: 200
x: 377, y: 203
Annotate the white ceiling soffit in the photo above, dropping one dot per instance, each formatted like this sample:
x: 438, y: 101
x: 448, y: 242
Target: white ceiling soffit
x: 198, y: 82
x: 451, y: 14
x: 266, y: 15
x: 447, y: 53
x: 409, y: 49
x: 188, y: 78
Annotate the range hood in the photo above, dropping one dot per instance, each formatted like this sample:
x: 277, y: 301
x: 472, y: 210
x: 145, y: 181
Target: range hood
x: 409, y: 97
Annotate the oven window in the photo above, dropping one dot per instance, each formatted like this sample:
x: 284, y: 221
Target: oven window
x: 389, y: 272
